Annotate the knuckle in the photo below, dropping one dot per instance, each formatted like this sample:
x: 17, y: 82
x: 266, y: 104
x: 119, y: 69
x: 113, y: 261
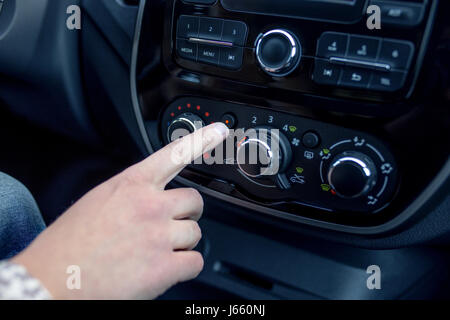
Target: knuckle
x: 208, y: 139
x: 180, y: 152
x: 196, y: 231
x: 158, y: 207
x: 159, y: 237
x: 195, y: 196
x: 197, y: 262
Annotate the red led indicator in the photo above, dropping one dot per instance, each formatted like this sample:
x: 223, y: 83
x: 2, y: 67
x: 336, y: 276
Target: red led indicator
x: 198, y: 108
x: 227, y: 121
x: 333, y: 192
x: 172, y: 114
x: 207, y: 114
x: 179, y: 107
x: 188, y: 105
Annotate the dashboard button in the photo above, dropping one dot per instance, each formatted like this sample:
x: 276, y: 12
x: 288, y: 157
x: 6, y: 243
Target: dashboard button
x: 183, y: 125
x: 352, y: 174
x: 363, y: 47
x: 354, y: 77
x: 332, y: 44
x: 391, y: 81
x: 229, y: 120
x: 396, y: 53
x: 208, y: 54
x: 210, y: 28
x: 234, y: 32
x: 405, y: 14
x: 231, y: 57
x: 187, y: 27
x: 186, y: 49
x: 311, y: 140
x: 326, y: 73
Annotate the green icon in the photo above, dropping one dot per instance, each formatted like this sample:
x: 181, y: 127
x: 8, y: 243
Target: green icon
x: 299, y: 170
x: 326, y: 151
x: 292, y: 129
x: 325, y: 187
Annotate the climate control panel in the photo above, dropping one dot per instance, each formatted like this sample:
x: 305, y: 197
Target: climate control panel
x: 298, y: 161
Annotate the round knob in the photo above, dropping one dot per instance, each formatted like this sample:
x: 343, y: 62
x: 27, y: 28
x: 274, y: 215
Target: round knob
x: 352, y: 174
x: 278, y: 52
x: 263, y: 152
x: 183, y: 125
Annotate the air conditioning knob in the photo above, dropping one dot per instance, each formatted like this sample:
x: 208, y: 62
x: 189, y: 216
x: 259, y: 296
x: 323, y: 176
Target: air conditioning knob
x: 278, y: 52
x: 183, y: 125
x: 352, y: 175
x: 263, y: 153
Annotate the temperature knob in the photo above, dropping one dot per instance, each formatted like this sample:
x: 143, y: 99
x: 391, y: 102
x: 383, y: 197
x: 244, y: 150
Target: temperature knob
x: 263, y: 153
x: 183, y: 125
x: 278, y: 52
x: 352, y: 174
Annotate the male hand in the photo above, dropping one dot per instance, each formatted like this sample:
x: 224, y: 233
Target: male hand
x: 130, y: 237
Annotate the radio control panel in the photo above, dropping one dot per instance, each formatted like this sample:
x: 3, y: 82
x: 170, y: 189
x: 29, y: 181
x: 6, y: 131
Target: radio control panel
x: 211, y: 41
x: 305, y: 55
x: 362, y: 62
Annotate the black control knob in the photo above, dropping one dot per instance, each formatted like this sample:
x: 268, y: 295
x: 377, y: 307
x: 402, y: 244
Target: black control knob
x: 352, y: 174
x: 263, y: 152
x: 183, y: 125
x: 278, y: 52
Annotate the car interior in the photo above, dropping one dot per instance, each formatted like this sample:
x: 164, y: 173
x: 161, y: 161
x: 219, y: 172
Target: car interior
x: 358, y: 91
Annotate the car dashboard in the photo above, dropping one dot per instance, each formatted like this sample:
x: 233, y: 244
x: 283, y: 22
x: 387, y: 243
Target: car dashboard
x: 345, y: 99
x: 355, y: 93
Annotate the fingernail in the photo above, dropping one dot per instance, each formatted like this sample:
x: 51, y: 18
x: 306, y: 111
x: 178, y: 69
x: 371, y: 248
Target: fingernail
x: 221, y: 129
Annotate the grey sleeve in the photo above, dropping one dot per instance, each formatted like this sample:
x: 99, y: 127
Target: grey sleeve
x: 17, y: 284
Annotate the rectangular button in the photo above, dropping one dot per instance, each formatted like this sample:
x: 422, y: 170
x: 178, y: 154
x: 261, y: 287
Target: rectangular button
x: 332, y: 44
x: 188, y: 27
x: 387, y: 81
x: 326, y: 73
x: 208, y: 54
x: 231, y: 58
x: 397, y: 54
x: 354, y: 77
x: 234, y: 32
x: 365, y: 48
x: 405, y: 14
x: 186, y: 49
x: 210, y: 28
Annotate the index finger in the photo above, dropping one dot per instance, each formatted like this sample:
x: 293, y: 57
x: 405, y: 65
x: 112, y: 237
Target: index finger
x: 168, y: 162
